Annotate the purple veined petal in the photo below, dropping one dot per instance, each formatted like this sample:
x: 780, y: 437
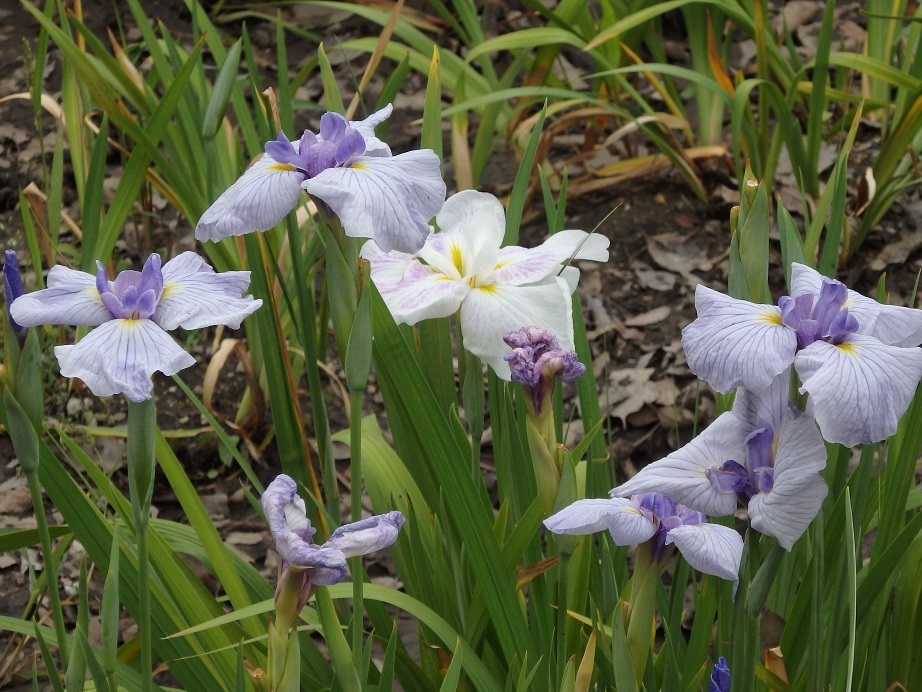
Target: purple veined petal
x: 736, y: 343
x: 769, y: 406
x: 196, y: 296
x: 71, y: 298
x: 797, y: 488
x: 709, y: 548
x: 593, y: 515
x: 120, y: 356
x: 366, y: 128
x: 327, y: 565
x: 260, y: 198
x: 683, y: 474
x: 411, y: 290
x: 490, y: 312
x: 389, y: 199
x: 366, y: 536
x: 518, y: 265
x: 462, y: 207
x: 860, y: 388
x: 286, y: 514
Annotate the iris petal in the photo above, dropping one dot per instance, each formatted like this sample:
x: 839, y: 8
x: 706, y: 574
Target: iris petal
x: 366, y: 536
x: 682, y: 474
x: 71, y: 298
x: 412, y: 290
x: 260, y: 198
x: 389, y: 199
x: 120, y: 356
x: 519, y: 265
x: 490, y: 312
x: 621, y: 517
x: 736, y: 343
x: 709, y: 548
x: 860, y: 388
x: 195, y: 296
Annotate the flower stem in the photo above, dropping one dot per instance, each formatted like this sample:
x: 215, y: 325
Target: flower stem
x: 358, y: 582
x: 142, y: 423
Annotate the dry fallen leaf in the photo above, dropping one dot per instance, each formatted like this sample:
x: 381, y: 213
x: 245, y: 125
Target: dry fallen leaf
x: 631, y: 388
x: 654, y: 316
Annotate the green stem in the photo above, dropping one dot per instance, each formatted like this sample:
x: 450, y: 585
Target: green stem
x: 51, y: 571
x: 142, y: 423
x: 563, y: 568
x: 358, y: 582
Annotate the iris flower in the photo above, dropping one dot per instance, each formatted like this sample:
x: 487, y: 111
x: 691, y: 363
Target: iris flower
x: 537, y: 361
x: 856, y: 358
x: 132, y: 315
x: 764, y: 452
x: 320, y: 565
x: 497, y: 289
x: 388, y: 198
x: 709, y: 548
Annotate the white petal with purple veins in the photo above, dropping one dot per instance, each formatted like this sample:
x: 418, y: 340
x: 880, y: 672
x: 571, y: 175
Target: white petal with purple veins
x: 260, y: 198
x: 709, y: 548
x: 389, y: 199
x: 120, y: 356
x: 860, y: 388
x: 490, y: 312
x: 366, y: 127
x: 736, y: 343
x: 195, y: 296
x: 768, y: 406
x: 366, y: 536
x: 682, y: 474
x: 621, y: 517
x: 519, y: 265
x: 412, y: 291
x: 71, y: 298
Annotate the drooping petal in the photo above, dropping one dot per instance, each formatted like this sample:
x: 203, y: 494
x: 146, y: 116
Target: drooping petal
x: 196, y: 296
x: 860, y: 388
x: 71, y: 298
x: 327, y: 565
x: 488, y: 313
x: 366, y: 536
x: 736, y: 343
x: 412, y: 291
x: 519, y: 265
x: 709, y: 548
x: 120, y: 356
x: 893, y: 325
x: 683, y: 474
x: 260, y: 198
x: 389, y: 199
x: 797, y: 490
x: 623, y: 518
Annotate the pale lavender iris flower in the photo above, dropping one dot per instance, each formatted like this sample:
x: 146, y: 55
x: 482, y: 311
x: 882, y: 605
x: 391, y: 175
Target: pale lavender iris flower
x: 388, y: 198
x: 321, y: 565
x: 709, y: 548
x: 465, y: 269
x: 133, y: 314
x: 12, y: 287
x: 764, y: 453
x: 537, y: 361
x: 857, y: 359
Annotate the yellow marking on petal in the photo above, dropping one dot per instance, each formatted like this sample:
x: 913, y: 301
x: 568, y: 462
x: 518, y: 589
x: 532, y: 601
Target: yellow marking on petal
x: 129, y: 323
x: 282, y: 167
x: 456, y: 258
x: 489, y: 288
x: 93, y: 293
x: 499, y: 265
x: 772, y: 318
x: 359, y: 166
x: 169, y: 289
x: 849, y: 348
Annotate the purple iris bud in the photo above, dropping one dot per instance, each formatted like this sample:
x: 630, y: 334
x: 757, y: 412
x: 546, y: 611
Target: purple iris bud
x: 133, y: 314
x: 720, y: 677
x: 12, y: 286
x: 537, y: 360
x: 319, y: 565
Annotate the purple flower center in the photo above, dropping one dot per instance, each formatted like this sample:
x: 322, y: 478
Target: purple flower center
x: 339, y: 144
x: 754, y: 478
x: 667, y: 514
x: 133, y: 295
x: 827, y: 320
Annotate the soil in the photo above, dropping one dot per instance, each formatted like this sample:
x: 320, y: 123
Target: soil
x: 664, y: 242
